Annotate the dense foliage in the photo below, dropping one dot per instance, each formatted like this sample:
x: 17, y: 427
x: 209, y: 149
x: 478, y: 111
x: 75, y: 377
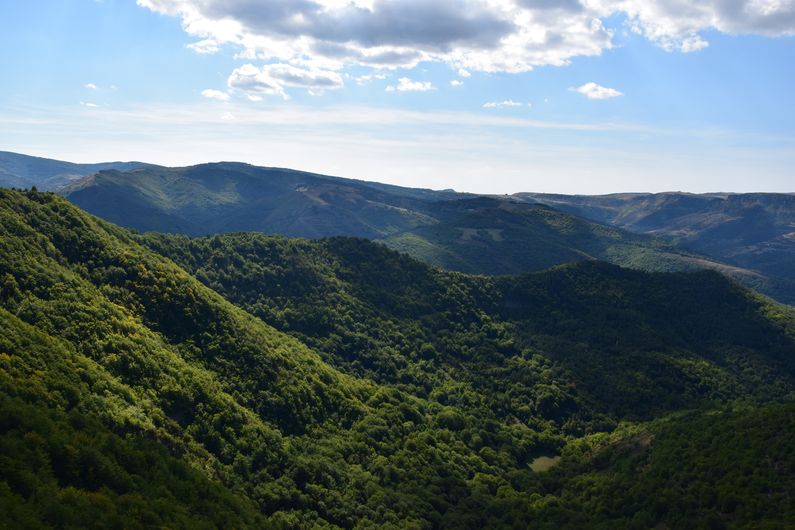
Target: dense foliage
x: 353, y: 386
x: 582, y: 344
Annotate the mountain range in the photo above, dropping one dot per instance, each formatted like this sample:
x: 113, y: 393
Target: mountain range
x: 752, y: 230
x: 22, y: 171
x: 248, y: 380
x: 748, y: 237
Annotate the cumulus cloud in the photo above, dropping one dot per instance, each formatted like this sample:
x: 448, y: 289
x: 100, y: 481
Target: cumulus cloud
x: 272, y: 79
x: 594, y: 91
x: 90, y: 86
x: 678, y: 24
x: 502, y: 104
x: 215, y: 94
x: 88, y: 104
x: 407, y: 85
x: 456, y: 82
x: 470, y: 35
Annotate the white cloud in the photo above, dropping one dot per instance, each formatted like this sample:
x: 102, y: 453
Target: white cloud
x: 594, y: 91
x: 215, y: 94
x: 456, y: 82
x: 90, y: 86
x: 502, y: 104
x: 273, y: 79
x: 469, y: 35
x: 677, y: 24
x: 464, y: 73
x: 88, y: 104
x: 407, y: 85
x: 365, y: 79
x: 205, y: 46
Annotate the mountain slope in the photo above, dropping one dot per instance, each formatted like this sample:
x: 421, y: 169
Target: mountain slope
x: 21, y: 171
x: 446, y: 386
x: 475, y: 235
x: 751, y: 230
x: 230, y: 197
x: 747, y: 236
x: 627, y: 341
x: 694, y: 470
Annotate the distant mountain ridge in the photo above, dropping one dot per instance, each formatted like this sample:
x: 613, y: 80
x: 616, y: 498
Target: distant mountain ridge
x: 232, y: 197
x: 457, y: 231
x: 23, y: 171
x: 751, y: 230
x: 474, y: 234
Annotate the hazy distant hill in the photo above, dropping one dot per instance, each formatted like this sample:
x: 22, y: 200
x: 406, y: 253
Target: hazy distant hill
x: 461, y: 232
x: 751, y: 230
x: 456, y: 231
x: 22, y: 171
x: 232, y: 197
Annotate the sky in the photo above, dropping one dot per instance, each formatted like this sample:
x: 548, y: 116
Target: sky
x: 486, y: 96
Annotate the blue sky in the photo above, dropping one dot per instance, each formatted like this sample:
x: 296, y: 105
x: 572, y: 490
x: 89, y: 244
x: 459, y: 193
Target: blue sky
x: 497, y: 96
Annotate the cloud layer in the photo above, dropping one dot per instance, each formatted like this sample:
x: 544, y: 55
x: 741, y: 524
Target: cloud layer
x: 311, y: 40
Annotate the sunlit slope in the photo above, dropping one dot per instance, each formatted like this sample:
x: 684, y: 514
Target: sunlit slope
x: 351, y: 387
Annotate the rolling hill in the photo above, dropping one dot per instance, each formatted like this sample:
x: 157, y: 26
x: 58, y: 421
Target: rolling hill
x: 248, y: 380
x: 480, y: 235
x: 22, y: 171
x: 749, y: 230
x: 233, y: 197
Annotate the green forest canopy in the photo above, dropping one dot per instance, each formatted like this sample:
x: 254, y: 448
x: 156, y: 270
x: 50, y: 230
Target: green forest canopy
x: 248, y: 381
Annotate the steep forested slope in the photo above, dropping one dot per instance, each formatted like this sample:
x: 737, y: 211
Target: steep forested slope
x: 401, y: 396
x: 617, y: 342
x: 694, y: 470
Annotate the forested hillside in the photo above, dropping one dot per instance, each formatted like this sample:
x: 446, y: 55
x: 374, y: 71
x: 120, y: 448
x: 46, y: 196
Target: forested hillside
x: 465, y: 233
x: 611, y: 337
x: 350, y: 386
x: 750, y: 230
x: 746, y: 237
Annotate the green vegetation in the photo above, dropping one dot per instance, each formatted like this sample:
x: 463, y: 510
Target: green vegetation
x: 750, y: 231
x: 353, y: 387
x: 476, y: 235
x: 228, y: 197
x: 696, y: 470
x: 602, y: 342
